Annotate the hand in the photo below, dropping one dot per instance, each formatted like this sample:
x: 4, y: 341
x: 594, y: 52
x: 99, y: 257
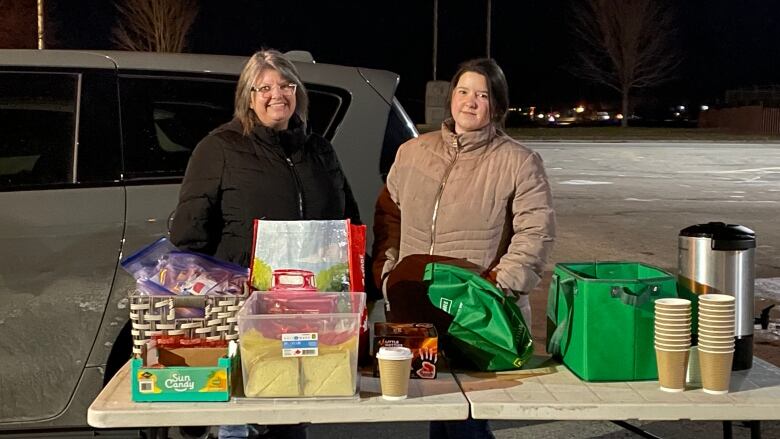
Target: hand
x: 491, y: 276
x: 428, y: 358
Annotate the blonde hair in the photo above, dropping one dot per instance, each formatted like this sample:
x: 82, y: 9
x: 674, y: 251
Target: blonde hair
x: 257, y: 64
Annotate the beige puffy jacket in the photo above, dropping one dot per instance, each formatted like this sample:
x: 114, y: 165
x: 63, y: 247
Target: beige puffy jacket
x: 479, y: 196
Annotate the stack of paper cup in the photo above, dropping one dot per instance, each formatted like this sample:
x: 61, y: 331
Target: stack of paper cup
x: 716, y: 341
x: 672, y: 342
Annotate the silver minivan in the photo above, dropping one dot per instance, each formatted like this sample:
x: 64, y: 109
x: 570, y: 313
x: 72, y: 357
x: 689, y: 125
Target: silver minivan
x: 93, y: 146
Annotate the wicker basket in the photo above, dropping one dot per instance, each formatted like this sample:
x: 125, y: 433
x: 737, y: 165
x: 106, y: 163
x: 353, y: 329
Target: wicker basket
x: 156, y: 316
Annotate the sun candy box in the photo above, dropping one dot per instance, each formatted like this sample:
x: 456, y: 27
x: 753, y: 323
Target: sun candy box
x: 421, y: 338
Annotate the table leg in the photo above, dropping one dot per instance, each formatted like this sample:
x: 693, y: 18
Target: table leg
x: 727, y: 431
x: 636, y: 430
x: 155, y: 432
x: 755, y: 429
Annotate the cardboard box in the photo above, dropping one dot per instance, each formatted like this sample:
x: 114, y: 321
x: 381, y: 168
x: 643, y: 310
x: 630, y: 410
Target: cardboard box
x: 421, y: 338
x: 181, y: 374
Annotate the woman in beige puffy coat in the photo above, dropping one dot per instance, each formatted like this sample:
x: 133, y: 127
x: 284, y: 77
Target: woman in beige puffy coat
x: 471, y: 192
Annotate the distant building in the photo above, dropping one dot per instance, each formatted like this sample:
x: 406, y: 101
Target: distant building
x: 765, y: 96
x: 753, y: 110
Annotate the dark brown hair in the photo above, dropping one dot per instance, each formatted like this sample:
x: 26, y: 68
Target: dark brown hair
x: 498, y: 90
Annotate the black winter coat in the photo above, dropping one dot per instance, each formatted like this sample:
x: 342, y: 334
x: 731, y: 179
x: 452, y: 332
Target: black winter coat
x: 232, y: 179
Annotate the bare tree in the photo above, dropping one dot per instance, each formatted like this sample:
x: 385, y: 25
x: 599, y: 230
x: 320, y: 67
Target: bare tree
x: 625, y: 44
x: 17, y: 24
x: 154, y: 25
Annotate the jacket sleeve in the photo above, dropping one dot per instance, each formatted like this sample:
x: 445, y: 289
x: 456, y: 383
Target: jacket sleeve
x: 387, y: 235
x: 197, y: 223
x: 533, y: 230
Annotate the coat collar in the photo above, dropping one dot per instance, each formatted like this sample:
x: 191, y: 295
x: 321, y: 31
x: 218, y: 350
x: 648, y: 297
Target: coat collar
x: 290, y: 140
x: 468, y: 141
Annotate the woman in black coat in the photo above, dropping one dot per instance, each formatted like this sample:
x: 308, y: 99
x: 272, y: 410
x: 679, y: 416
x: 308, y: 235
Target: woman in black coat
x: 263, y: 164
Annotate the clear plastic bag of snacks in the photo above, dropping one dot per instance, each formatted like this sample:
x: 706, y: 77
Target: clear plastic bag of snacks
x: 185, y: 273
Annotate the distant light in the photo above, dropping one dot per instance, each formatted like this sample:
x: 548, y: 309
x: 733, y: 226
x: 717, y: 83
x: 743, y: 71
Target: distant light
x: 540, y: 116
x: 681, y: 107
x: 579, y: 109
x: 618, y: 116
x: 705, y: 107
x: 676, y: 113
x: 556, y: 114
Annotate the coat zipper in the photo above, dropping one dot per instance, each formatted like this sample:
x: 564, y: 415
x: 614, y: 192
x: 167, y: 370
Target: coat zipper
x: 298, y: 186
x: 441, y: 191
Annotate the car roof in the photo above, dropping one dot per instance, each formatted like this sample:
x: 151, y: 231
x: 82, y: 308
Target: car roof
x: 384, y: 82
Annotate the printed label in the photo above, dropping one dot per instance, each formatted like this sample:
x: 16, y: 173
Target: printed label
x: 180, y: 383
x: 445, y: 304
x: 300, y: 345
x: 146, y: 386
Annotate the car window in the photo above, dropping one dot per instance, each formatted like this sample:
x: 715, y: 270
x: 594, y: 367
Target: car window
x: 38, y: 114
x: 327, y: 106
x: 163, y: 119
x: 399, y: 129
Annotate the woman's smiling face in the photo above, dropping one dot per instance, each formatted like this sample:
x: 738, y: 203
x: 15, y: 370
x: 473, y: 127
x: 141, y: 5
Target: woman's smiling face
x: 273, y: 99
x: 470, y: 103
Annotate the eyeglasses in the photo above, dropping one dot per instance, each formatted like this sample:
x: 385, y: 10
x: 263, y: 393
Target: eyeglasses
x: 285, y: 89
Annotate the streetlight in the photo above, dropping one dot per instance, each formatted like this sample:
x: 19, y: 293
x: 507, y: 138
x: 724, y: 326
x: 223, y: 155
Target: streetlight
x: 40, y: 24
x: 487, y: 37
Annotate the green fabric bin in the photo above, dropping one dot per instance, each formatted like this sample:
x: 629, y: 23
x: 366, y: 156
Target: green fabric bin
x: 600, y: 318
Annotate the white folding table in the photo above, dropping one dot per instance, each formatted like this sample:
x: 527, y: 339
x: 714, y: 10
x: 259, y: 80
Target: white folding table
x: 552, y: 392
x: 439, y: 399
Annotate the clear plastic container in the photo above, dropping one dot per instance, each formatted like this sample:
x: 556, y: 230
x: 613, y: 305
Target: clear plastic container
x: 300, y: 344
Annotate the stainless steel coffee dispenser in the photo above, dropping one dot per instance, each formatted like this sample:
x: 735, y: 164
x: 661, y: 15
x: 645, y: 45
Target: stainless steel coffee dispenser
x: 718, y: 258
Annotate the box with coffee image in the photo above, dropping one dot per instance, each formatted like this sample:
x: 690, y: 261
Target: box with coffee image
x: 420, y: 338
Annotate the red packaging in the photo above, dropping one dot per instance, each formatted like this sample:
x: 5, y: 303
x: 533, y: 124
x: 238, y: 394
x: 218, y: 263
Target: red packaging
x: 421, y: 338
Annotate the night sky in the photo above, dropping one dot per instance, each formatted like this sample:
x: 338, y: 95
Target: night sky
x: 724, y: 43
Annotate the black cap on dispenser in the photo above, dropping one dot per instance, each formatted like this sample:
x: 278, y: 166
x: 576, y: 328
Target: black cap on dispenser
x: 724, y: 236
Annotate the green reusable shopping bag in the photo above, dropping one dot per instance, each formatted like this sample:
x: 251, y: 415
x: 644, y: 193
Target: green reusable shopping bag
x: 600, y: 318
x: 487, y: 327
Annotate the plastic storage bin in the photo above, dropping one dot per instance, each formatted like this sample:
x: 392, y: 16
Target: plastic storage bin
x: 300, y: 344
x: 600, y: 318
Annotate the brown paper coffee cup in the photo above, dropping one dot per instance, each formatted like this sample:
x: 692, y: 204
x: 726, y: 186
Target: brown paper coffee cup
x: 395, y: 363
x: 671, y: 369
x: 673, y: 303
x: 715, y: 370
x: 716, y: 299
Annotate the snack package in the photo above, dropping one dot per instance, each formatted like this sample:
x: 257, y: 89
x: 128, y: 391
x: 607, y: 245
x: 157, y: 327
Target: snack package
x: 420, y: 338
x: 184, y: 273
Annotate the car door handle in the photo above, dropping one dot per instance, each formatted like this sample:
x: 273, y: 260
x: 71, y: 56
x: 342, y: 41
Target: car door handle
x: 170, y: 221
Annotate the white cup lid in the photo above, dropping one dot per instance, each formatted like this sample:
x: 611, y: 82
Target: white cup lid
x: 394, y: 353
